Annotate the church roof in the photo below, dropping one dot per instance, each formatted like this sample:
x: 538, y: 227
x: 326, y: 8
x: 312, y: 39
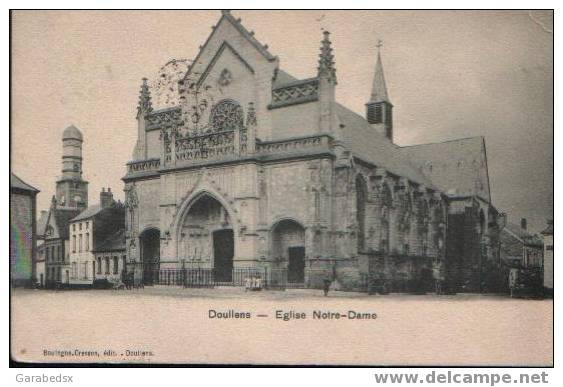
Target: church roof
x: 379, y: 88
x: 16, y: 182
x: 72, y: 132
x: 367, y: 144
x: 457, y: 167
x: 282, y: 78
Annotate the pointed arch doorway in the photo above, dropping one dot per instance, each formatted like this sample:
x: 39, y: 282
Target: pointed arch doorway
x: 288, y: 245
x: 207, y: 237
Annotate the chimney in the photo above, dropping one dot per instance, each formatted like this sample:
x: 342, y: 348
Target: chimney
x: 106, y: 198
x: 524, y: 224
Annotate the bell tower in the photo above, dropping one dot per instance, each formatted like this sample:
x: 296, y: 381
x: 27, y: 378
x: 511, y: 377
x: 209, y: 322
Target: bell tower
x: 379, y: 109
x: 72, y: 190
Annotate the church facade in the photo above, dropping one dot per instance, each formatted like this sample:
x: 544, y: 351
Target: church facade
x: 253, y: 169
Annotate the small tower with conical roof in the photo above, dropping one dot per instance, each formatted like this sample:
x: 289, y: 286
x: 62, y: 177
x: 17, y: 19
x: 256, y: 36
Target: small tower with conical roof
x: 379, y: 109
x: 327, y: 82
x: 72, y: 190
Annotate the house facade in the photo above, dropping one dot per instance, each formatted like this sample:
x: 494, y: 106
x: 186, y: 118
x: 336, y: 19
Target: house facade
x: 110, y: 257
x: 251, y: 168
x: 88, y: 231
x: 520, y: 248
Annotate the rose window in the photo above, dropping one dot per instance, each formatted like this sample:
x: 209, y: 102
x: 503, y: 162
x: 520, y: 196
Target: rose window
x: 226, y: 115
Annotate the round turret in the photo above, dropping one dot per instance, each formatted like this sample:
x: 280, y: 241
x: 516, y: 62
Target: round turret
x: 72, y: 133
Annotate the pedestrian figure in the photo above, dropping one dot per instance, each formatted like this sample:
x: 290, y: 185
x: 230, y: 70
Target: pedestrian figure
x: 326, y: 286
x: 258, y: 283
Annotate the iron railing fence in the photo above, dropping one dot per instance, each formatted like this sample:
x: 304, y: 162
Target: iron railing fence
x: 256, y: 277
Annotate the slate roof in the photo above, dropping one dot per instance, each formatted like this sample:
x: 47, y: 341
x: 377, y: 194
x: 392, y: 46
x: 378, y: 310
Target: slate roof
x: 16, y: 182
x: 523, y: 235
x: 367, y: 144
x: 379, y: 88
x: 282, y: 78
x: 457, y: 167
x: 549, y: 229
x: 88, y: 213
x: 62, y: 220
x: 115, y: 242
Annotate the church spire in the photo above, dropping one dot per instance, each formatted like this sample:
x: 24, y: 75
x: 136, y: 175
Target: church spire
x: 379, y: 108
x: 145, y: 104
x: 326, y: 59
x: 379, y: 88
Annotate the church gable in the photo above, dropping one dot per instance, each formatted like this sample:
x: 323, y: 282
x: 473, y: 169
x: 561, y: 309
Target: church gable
x: 226, y: 78
x: 239, y: 41
x: 231, y: 66
x: 226, y: 56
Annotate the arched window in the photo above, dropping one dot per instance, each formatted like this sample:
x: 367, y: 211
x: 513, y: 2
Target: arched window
x: 386, y: 199
x: 361, y: 196
x: 226, y: 115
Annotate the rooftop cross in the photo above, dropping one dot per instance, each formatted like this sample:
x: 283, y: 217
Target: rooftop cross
x: 379, y: 44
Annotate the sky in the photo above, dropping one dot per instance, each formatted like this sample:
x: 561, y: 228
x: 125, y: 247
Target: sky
x: 449, y: 74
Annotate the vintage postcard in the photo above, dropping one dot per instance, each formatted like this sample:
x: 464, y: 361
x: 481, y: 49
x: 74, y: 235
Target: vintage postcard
x: 282, y: 187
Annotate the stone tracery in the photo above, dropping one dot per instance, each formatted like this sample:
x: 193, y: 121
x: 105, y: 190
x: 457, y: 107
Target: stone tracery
x: 226, y: 115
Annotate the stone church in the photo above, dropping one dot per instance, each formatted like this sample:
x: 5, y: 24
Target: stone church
x: 251, y: 169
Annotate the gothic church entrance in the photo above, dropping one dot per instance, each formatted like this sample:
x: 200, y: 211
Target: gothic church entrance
x: 207, y: 239
x: 288, y: 247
